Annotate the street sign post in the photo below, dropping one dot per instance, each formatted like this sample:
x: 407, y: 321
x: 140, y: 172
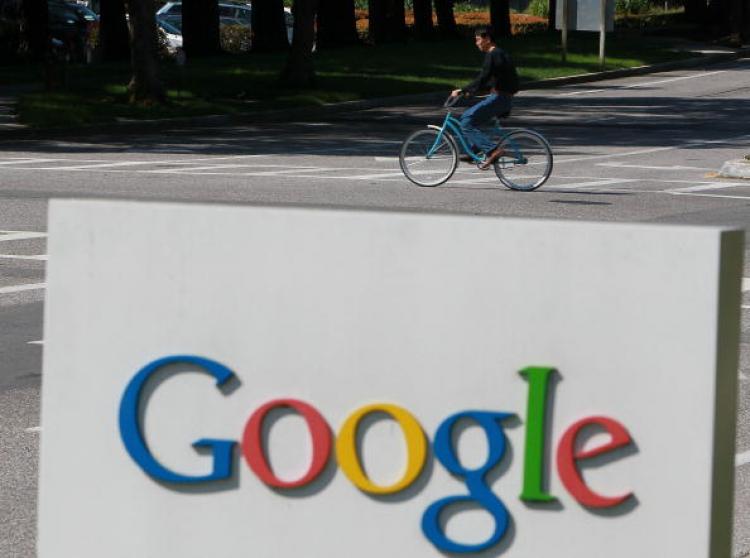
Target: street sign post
x: 585, y: 15
x: 292, y: 382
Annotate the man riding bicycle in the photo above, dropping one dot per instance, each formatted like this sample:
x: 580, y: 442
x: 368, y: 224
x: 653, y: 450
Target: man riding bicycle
x: 499, y: 76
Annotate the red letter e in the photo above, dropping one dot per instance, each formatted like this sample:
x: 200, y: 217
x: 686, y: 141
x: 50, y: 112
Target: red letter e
x: 567, y: 457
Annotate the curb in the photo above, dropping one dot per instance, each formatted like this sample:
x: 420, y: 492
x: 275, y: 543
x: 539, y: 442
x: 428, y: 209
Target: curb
x: 278, y: 115
x: 737, y: 168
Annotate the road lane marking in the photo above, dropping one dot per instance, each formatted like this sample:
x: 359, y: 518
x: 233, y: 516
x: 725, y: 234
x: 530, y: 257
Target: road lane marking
x: 703, y: 186
x: 742, y: 459
x: 593, y: 184
x: 745, y: 284
x: 26, y: 161
x: 652, y: 167
x: 19, y: 257
x: 21, y: 288
x: 692, y: 143
x: 34, y: 429
x: 6, y: 236
x: 720, y: 196
x: 96, y: 166
x: 40, y: 342
x: 642, y: 84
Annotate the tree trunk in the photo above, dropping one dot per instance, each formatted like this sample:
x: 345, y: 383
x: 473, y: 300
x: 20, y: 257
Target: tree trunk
x: 395, y: 20
x: 445, y: 18
x: 269, y: 26
x: 114, y: 37
x: 500, y: 18
x: 337, y: 24
x: 145, y: 85
x: 696, y: 11
x: 552, y: 15
x: 423, y: 28
x: 718, y: 16
x: 377, y: 11
x: 299, y: 71
x: 735, y: 22
x: 35, y: 32
x: 200, y: 28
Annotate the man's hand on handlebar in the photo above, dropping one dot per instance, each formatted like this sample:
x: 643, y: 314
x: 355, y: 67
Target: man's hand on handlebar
x: 457, y: 92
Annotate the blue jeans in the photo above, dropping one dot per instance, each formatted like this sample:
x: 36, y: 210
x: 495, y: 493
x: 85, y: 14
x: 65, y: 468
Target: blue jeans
x: 479, y: 114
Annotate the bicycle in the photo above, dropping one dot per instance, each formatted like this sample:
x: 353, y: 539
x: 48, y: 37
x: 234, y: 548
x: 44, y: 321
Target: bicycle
x: 429, y: 157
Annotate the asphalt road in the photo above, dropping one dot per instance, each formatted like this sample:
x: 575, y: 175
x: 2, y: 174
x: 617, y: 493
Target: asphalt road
x: 641, y: 149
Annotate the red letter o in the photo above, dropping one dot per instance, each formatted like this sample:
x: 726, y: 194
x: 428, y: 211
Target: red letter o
x: 252, y: 444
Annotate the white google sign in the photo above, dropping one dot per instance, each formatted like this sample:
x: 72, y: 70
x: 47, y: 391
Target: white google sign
x: 282, y: 382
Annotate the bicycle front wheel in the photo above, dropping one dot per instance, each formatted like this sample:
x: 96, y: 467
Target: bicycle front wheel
x: 428, y: 157
x: 527, y: 161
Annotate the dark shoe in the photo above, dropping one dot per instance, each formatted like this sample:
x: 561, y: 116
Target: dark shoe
x: 465, y: 158
x: 492, y: 156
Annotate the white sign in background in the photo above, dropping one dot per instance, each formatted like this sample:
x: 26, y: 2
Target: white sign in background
x: 586, y: 15
x: 435, y: 313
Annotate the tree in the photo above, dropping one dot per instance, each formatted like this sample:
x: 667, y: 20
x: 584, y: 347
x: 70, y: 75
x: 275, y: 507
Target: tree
x: 145, y: 85
x: 377, y: 11
x: 35, y: 24
x: 299, y: 71
x: 337, y: 24
x: 387, y: 20
x: 500, y: 18
x: 269, y: 26
x: 200, y: 28
x: 114, y: 37
x: 552, y: 15
x: 445, y: 18
x: 395, y: 20
x: 696, y: 11
x: 423, y: 28
x: 736, y: 10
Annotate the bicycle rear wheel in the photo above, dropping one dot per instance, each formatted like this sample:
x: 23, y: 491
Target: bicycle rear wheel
x: 527, y: 161
x: 428, y: 158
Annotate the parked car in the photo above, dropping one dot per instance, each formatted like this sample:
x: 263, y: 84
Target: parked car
x: 71, y: 23
x: 172, y: 34
x: 229, y: 13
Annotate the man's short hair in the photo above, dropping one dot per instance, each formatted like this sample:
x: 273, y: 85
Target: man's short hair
x: 485, y: 32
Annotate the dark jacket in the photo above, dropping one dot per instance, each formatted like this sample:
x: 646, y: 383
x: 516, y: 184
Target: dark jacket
x: 498, y: 74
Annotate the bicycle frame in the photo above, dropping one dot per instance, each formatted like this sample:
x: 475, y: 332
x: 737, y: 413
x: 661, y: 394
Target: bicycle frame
x: 454, y: 126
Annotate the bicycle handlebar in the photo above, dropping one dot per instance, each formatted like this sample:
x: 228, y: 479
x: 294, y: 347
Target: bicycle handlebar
x: 451, y: 101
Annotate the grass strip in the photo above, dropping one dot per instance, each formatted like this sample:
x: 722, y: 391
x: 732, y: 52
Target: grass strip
x: 244, y: 83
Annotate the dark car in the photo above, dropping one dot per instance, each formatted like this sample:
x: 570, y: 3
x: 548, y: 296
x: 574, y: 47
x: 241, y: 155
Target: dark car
x: 71, y: 24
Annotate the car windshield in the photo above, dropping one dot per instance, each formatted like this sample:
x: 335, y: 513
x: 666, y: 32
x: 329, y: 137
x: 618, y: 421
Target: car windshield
x: 174, y: 21
x: 168, y: 27
x: 88, y: 15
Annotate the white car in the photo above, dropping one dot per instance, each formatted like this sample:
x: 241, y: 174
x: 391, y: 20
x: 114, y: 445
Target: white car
x: 227, y: 11
x: 171, y: 33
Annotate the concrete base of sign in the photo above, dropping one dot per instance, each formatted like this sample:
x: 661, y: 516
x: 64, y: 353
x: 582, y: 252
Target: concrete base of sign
x: 738, y: 168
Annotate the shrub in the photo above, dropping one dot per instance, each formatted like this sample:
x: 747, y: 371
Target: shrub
x: 235, y: 38
x: 650, y: 21
x: 633, y: 6
x: 539, y: 8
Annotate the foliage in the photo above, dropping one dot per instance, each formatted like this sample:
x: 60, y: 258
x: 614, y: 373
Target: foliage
x: 235, y: 38
x: 633, y: 6
x: 244, y: 83
x: 539, y: 8
x: 657, y: 20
